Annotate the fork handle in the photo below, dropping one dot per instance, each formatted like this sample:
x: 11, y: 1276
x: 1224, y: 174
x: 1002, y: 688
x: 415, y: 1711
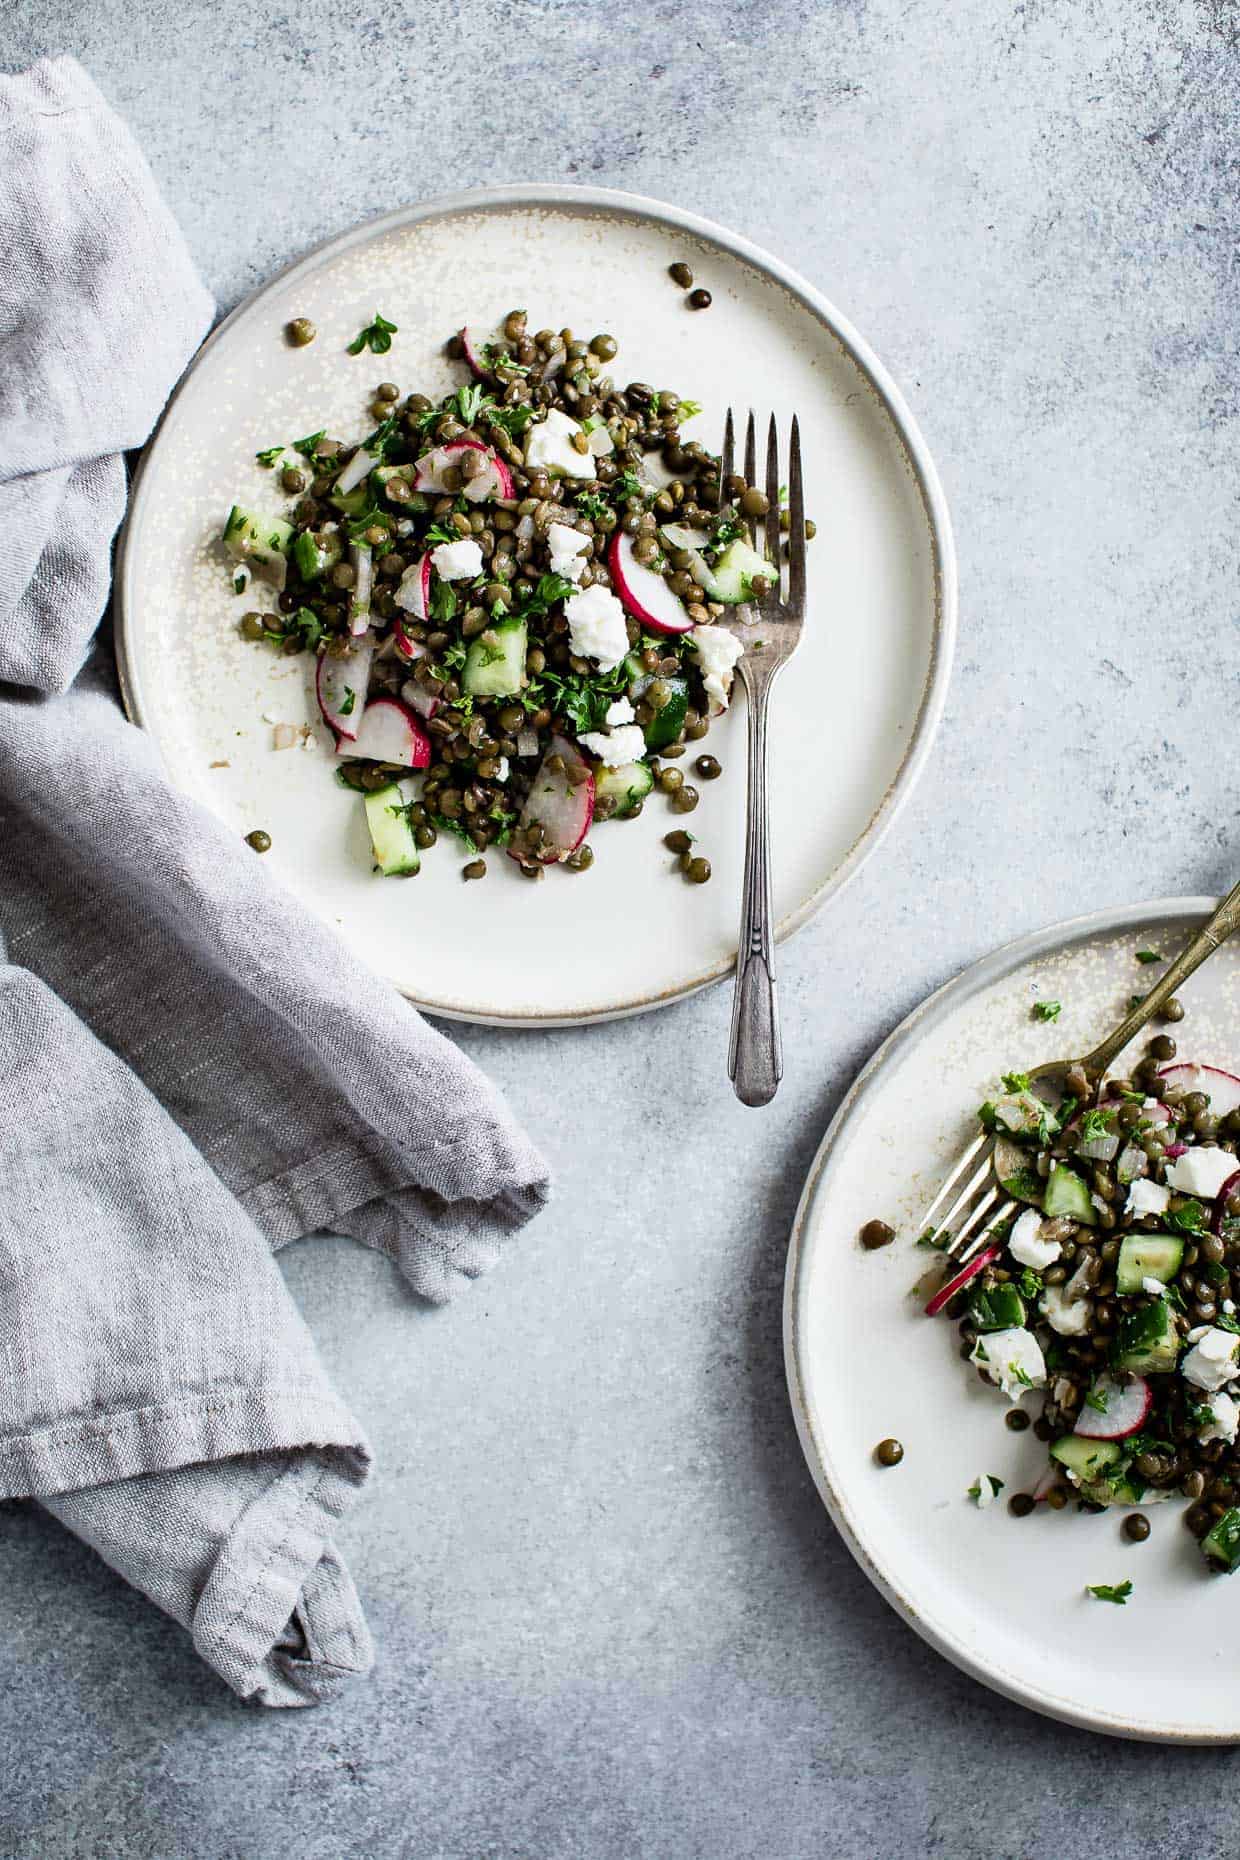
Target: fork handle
x: 756, y: 1054
x: 1216, y: 930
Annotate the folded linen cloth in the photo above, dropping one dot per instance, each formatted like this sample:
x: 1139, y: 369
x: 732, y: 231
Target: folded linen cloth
x: 193, y: 1071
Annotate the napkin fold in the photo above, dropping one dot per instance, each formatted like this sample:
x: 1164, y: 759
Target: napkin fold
x: 193, y: 1071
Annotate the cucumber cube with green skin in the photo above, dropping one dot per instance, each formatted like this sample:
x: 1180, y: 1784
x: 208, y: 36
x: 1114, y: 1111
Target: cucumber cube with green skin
x: 1088, y: 1459
x: 1221, y: 1544
x: 1067, y: 1194
x: 732, y: 578
x: 1147, y: 1256
x: 496, y: 670
x: 351, y: 503
x: 1147, y: 1341
x: 1116, y: 1488
x: 314, y: 552
x: 261, y: 541
x: 391, y: 836
x: 666, y: 724
x: 1000, y: 1308
x: 626, y: 786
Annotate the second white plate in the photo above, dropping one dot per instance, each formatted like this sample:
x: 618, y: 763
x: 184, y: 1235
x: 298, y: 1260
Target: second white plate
x: 851, y: 720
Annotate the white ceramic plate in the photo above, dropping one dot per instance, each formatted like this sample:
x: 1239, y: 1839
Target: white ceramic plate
x: 851, y: 722
x: 1002, y: 1597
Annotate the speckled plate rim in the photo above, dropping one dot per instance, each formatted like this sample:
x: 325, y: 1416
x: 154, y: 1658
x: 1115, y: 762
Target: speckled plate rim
x: 938, y: 1007
x: 623, y: 205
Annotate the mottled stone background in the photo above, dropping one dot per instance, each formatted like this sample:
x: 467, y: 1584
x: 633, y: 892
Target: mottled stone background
x: 612, y: 1618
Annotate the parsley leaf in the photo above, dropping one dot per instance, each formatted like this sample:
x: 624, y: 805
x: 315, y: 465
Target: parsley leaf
x: 310, y: 444
x: 1096, y: 1400
x: 306, y: 627
x: 591, y: 505
x: 1029, y: 1284
x: 376, y: 336
x: 1047, y: 1010
x: 1105, y: 1592
x: 443, y: 605
x: 1015, y: 1081
x: 1096, y: 1124
x: 348, y: 701
x: 1190, y: 1219
x: 469, y: 401
x: 269, y: 457
x: 547, y: 590
x: 1148, y: 955
x: 688, y: 410
x: 1226, y: 1322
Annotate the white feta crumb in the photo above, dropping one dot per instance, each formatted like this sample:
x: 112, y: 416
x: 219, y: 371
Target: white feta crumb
x: 1025, y: 1246
x: 1146, y: 1197
x: 457, y: 561
x: 596, y: 627
x: 549, y: 444
x: 717, y: 651
x: 1012, y: 1358
x: 1229, y: 1307
x: 615, y: 747
x: 619, y: 712
x: 985, y: 1491
x: 1154, y: 1287
x: 1065, y: 1314
x: 502, y: 768
x: 1224, y: 1419
x: 1201, y: 1172
x: 568, y: 567
x: 1212, y: 1360
x: 561, y: 540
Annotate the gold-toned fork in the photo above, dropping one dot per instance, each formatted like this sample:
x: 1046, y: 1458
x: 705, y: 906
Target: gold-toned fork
x: 769, y: 627
x: 971, y: 1205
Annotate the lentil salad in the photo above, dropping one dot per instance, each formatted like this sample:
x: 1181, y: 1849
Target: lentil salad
x: 513, y: 594
x: 1113, y: 1290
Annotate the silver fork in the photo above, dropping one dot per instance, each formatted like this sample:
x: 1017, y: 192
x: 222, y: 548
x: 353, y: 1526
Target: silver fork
x: 755, y: 1053
x: 972, y: 1203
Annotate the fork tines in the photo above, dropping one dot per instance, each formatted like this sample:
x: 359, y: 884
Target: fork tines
x: 970, y: 1204
x: 772, y: 535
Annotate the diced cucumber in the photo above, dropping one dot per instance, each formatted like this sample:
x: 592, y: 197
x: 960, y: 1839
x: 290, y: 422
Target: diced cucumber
x: 731, y: 579
x: 1147, y: 1256
x: 1114, y: 1488
x: 1067, y: 1194
x: 315, y: 551
x: 1088, y: 1459
x: 391, y: 836
x: 261, y: 541
x: 1221, y: 1544
x: 626, y: 786
x: 1147, y: 1340
x: 666, y: 724
x: 351, y: 503
x: 1000, y: 1308
x: 496, y: 670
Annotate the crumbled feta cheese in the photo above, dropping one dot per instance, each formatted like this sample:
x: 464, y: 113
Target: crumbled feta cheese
x: 568, y: 567
x: 616, y: 747
x: 718, y: 652
x: 561, y: 540
x: 549, y: 445
x: 1154, y: 1287
x: 502, y: 768
x: 596, y: 627
x: 1224, y: 1419
x: 458, y: 561
x: 1229, y: 1307
x: 1147, y: 1198
x: 986, y: 1493
x: 619, y: 712
x: 1065, y: 1314
x: 1201, y: 1172
x: 1012, y: 1358
x: 1025, y: 1246
x: 1212, y: 1360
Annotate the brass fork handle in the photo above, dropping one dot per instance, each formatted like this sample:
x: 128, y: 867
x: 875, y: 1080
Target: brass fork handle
x: 1223, y: 923
x: 755, y: 1053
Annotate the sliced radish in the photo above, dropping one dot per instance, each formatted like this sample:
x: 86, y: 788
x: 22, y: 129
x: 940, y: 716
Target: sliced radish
x: 561, y: 807
x: 359, y: 466
x: 416, y: 695
x: 405, y: 647
x: 389, y: 732
x: 1223, y: 1088
x: 655, y: 472
x: 413, y: 591
x: 473, y: 347
x: 495, y: 481
x: 362, y: 558
x: 1123, y: 1409
x: 959, y: 1280
x: 645, y: 595
x: 1230, y: 1187
x: 341, y: 685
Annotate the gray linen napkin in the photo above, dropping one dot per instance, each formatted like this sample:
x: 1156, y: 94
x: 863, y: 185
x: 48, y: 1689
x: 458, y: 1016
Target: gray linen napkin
x: 192, y: 1070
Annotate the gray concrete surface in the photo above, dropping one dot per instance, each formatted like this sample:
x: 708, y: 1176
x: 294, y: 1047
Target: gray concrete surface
x: 612, y: 1618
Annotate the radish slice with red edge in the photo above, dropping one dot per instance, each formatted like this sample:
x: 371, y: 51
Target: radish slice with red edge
x: 413, y: 591
x: 405, y: 647
x: 1122, y: 1409
x: 341, y: 685
x: 494, y: 481
x: 473, y: 347
x: 1230, y: 1187
x: 389, y: 732
x: 1222, y: 1088
x: 561, y: 807
x: 643, y: 593
x: 420, y: 699
x: 959, y: 1280
x: 359, y: 466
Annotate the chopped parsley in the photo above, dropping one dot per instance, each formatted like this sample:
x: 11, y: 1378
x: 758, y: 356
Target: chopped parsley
x: 1190, y: 1219
x: 348, y: 701
x: 1097, y: 1400
x: 1096, y: 1124
x: 1106, y: 1592
x: 592, y: 504
x: 1047, y: 1010
x: 937, y: 1238
x: 443, y: 605
x: 310, y: 444
x: 975, y: 1490
x: 1225, y: 1321
x: 1148, y: 955
x: 1029, y: 1284
x: 1020, y: 1375
x: 376, y: 336
x: 1015, y: 1081
x: 305, y: 627
x: 269, y: 457
x: 688, y: 410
